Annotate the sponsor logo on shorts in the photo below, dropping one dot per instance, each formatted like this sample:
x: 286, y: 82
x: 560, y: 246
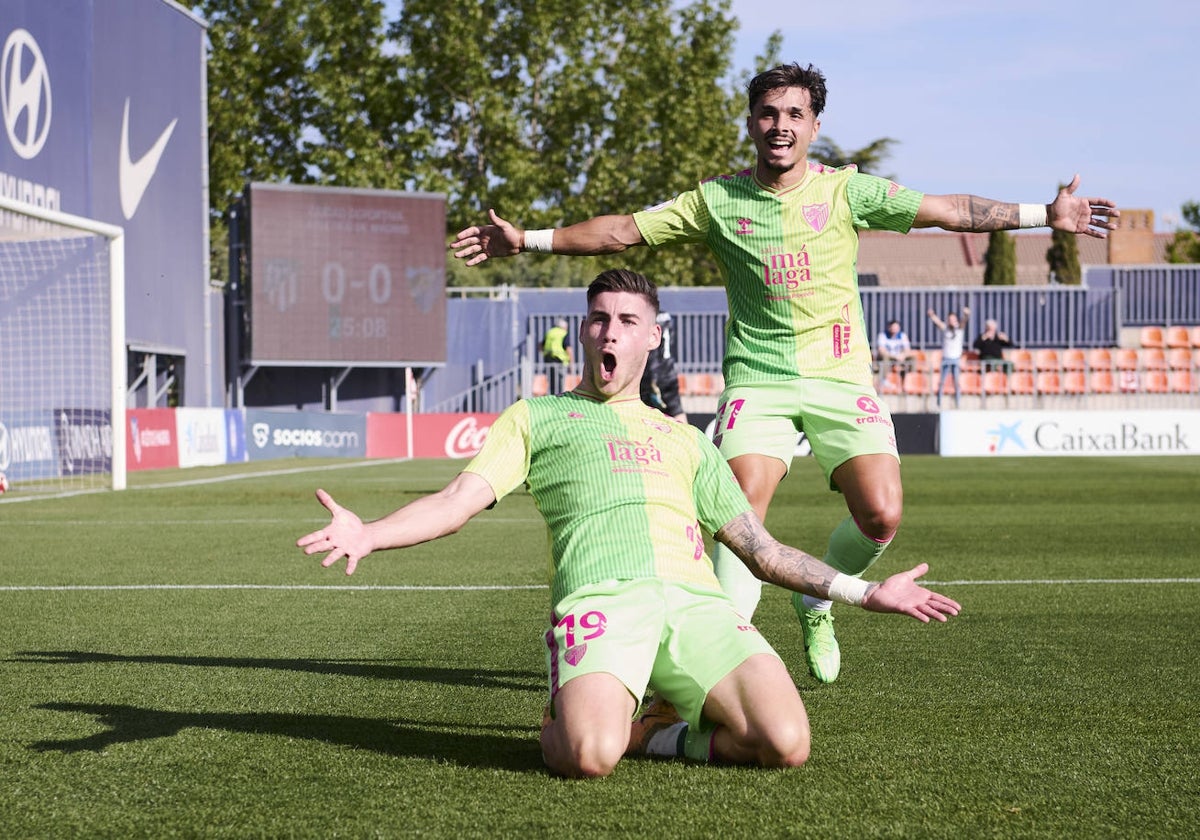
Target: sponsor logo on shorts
x: 871, y: 413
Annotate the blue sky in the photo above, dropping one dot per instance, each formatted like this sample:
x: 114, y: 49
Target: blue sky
x: 1006, y: 100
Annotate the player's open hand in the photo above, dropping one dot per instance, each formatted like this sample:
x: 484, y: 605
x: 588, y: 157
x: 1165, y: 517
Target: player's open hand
x: 344, y: 536
x: 481, y: 242
x: 902, y: 594
x: 1091, y: 216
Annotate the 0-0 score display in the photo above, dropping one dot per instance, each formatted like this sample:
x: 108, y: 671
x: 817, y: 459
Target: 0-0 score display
x: 343, y: 276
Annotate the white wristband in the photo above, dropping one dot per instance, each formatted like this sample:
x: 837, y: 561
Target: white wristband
x: 541, y: 241
x: 848, y: 590
x: 1031, y: 215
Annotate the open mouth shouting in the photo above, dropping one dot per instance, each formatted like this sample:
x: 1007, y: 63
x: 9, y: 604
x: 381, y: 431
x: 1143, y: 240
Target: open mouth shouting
x: 608, y: 366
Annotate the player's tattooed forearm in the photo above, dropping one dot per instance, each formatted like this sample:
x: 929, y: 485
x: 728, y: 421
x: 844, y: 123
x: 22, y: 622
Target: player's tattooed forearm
x: 772, y: 561
x: 984, y: 214
x: 746, y: 537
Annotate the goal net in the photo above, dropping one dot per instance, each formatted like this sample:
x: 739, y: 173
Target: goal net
x: 62, y: 352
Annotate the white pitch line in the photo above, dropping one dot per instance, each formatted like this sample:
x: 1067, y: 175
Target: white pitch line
x: 511, y: 588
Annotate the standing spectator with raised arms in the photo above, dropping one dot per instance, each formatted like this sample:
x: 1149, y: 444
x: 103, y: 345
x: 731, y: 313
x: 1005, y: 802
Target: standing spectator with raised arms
x: 784, y: 234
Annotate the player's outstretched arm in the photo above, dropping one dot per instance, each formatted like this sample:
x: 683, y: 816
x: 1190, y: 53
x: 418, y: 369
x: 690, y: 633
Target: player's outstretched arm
x: 427, y: 518
x: 782, y: 565
x: 1069, y: 212
x: 599, y: 235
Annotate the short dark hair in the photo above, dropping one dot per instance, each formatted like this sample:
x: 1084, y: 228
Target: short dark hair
x: 788, y: 76
x: 623, y: 280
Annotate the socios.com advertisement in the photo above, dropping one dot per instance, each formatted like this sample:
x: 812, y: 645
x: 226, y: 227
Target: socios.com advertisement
x: 289, y: 434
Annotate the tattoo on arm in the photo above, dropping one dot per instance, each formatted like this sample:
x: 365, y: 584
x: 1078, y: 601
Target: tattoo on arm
x: 774, y: 562
x: 973, y: 213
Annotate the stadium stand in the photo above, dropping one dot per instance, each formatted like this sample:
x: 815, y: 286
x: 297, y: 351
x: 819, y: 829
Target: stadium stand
x: 1151, y: 337
x: 1074, y: 358
x: 1022, y: 359
x: 1152, y: 358
x: 1179, y: 358
x: 1155, y: 382
x: 1047, y: 359
x: 1048, y: 382
x: 1177, y: 337
x: 1020, y: 382
x: 1182, y: 381
x: 1101, y: 382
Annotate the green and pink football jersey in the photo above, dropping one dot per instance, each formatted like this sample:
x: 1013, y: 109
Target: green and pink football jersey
x: 789, y: 263
x: 626, y: 492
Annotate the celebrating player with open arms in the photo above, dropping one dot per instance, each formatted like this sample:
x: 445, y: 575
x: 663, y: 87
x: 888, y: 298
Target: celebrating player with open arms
x: 628, y: 496
x: 797, y: 357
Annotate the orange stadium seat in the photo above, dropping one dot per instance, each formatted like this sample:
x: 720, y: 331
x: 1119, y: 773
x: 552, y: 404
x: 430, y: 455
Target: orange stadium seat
x: 1178, y: 337
x: 1179, y: 358
x: 1074, y: 382
x: 970, y: 380
x: 1101, y: 382
x: 1047, y: 359
x: 1023, y: 382
x: 683, y: 384
x: 1151, y: 337
x: 996, y: 382
x: 1181, y: 381
x: 916, y: 384
x: 1126, y: 358
x: 1021, y: 359
x: 1049, y: 382
x: 1194, y: 334
x: 701, y: 384
x: 1155, y: 382
x: 934, y: 360
x: 1100, y: 358
x: 1153, y: 358
x: 541, y: 385
x: 891, y: 383
x: 1074, y: 359
x: 572, y: 379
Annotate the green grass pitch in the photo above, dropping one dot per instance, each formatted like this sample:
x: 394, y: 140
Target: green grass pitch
x: 144, y: 696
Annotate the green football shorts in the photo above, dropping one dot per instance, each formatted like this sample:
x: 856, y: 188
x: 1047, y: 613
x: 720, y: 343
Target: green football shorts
x: 841, y: 421
x: 677, y: 639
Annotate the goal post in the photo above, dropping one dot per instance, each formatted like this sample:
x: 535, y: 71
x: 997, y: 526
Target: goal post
x: 63, y: 367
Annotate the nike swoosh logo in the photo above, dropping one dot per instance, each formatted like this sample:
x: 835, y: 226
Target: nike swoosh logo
x: 135, y: 175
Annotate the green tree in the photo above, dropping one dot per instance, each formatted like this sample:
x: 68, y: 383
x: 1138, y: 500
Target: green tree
x: 1000, y: 261
x: 298, y: 92
x: 1063, y: 257
x: 868, y: 159
x: 551, y: 112
x: 1185, y: 247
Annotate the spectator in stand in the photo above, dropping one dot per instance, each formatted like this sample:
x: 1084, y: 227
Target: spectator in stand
x: 952, y: 349
x: 556, y: 354
x: 893, y: 350
x: 660, y: 379
x: 991, y: 344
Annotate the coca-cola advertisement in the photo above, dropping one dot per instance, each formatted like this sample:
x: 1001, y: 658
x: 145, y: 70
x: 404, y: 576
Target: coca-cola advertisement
x: 433, y: 435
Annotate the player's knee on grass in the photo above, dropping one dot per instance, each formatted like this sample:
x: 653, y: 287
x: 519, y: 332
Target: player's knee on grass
x: 588, y: 754
x: 784, y: 743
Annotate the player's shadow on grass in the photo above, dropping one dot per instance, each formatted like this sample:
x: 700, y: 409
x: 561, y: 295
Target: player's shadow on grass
x: 368, y: 668
x: 485, y: 747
